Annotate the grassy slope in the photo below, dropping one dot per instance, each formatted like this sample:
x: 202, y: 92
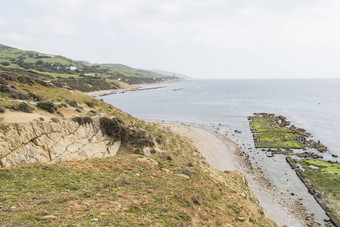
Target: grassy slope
x: 121, y: 191
x: 8, y: 54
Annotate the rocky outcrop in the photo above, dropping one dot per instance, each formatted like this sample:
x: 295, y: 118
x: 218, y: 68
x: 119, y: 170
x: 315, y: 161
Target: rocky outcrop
x: 54, y: 141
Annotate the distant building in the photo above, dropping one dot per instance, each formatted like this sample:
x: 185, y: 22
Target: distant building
x: 89, y: 74
x: 49, y: 55
x: 46, y: 55
x: 72, y: 68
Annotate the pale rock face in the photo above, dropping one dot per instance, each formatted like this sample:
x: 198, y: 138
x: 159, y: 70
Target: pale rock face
x: 146, y: 151
x: 52, y: 142
x: 3, y: 148
x: 112, y: 151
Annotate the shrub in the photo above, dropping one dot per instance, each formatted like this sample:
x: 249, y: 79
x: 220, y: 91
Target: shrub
x: 112, y: 128
x: 185, y: 171
x: 15, y: 94
x: 72, y: 103
x: 2, y: 110
x: 25, y: 80
x: 18, y: 95
x: 8, y: 76
x: 165, y: 156
x: 23, y: 107
x: 5, y: 89
x: 82, y: 120
x: 48, y: 106
x: 89, y: 104
x: 3, y: 81
x: 5, y: 63
x: 35, y: 97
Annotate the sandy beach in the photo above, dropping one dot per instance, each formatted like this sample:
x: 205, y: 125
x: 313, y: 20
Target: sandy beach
x: 223, y: 154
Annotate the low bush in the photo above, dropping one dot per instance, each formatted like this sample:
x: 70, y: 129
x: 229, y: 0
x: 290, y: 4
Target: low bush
x: 82, y: 120
x: 72, y: 103
x: 5, y: 63
x: 186, y: 171
x: 48, y: 106
x: 2, y: 110
x: 113, y: 128
x: 89, y: 104
x: 14, y: 93
x: 23, y: 107
x: 3, y: 81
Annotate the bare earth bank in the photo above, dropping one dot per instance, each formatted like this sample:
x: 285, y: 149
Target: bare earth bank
x: 223, y: 154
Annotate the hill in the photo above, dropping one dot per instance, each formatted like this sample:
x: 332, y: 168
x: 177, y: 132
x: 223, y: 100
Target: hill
x: 173, y: 74
x: 153, y: 177
x: 62, y: 70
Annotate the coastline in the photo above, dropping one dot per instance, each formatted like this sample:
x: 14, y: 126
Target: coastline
x: 129, y: 87
x: 223, y: 154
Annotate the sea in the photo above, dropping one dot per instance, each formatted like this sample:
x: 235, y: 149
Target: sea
x: 310, y: 104
x: 224, y: 106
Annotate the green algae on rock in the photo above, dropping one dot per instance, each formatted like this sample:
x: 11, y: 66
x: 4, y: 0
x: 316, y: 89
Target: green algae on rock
x: 322, y: 178
x: 270, y: 131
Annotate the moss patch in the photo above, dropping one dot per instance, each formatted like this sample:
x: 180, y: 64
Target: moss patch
x: 325, y: 178
x: 270, y: 131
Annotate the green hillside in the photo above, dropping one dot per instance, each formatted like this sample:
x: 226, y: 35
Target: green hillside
x: 62, y: 68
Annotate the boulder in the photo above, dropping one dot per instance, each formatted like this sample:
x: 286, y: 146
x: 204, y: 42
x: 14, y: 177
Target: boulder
x: 147, y: 162
x: 183, y: 176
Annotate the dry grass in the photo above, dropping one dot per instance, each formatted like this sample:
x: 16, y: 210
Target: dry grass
x: 119, y: 191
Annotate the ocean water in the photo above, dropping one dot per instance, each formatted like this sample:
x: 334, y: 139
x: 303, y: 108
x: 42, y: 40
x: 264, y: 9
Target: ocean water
x: 224, y: 105
x: 311, y: 104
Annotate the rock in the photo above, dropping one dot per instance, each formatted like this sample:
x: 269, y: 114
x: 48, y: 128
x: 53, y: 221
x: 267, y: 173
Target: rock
x: 146, y: 150
x: 54, y: 141
x: 44, y: 212
x: 147, y: 162
x: 95, y: 150
x: 112, y: 150
x: 241, y: 219
x: 49, y: 217
x: 165, y: 170
x: 183, y: 176
x: 243, y: 195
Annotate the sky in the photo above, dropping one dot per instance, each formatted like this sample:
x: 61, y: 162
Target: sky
x: 229, y: 39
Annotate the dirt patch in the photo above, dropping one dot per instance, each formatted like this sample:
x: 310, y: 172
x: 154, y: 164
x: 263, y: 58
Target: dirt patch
x: 20, y: 117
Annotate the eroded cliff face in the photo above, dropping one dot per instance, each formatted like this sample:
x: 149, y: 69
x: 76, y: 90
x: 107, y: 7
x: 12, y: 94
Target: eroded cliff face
x: 54, y: 141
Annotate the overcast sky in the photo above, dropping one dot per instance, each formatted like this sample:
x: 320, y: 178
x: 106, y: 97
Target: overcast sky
x: 200, y: 38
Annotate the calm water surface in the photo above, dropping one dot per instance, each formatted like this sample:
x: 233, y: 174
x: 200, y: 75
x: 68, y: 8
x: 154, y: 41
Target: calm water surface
x: 310, y: 104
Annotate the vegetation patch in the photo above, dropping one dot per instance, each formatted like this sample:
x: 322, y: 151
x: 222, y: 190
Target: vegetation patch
x: 116, y: 128
x: 270, y: 131
x: 47, y: 106
x: 82, y: 120
x: 23, y: 107
x: 119, y: 192
x: 322, y: 178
